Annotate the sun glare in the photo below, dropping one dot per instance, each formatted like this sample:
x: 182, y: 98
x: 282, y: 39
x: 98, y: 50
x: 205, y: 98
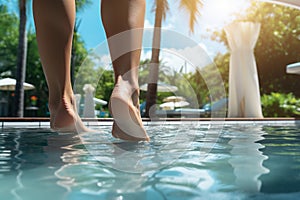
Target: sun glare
x: 217, y: 13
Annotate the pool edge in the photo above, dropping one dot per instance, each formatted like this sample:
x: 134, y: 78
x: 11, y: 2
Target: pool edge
x: 44, y: 122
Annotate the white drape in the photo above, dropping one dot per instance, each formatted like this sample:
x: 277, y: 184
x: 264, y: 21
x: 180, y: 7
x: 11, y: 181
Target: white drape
x: 244, y: 95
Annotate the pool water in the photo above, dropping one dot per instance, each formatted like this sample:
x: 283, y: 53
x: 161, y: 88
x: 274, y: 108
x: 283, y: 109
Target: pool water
x: 244, y: 161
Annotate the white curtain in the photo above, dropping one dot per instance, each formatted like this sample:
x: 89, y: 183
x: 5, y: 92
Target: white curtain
x: 244, y: 95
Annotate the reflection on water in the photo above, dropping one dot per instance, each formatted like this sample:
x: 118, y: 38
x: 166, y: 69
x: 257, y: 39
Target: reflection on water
x: 167, y: 144
x: 29, y: 166
x: 283, y: 148
x: 246, y: 160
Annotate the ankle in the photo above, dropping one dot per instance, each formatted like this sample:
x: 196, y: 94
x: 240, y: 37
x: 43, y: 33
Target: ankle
x: 57, y: 103
x: 62, y: 112
x: 127, y: 89
x: 131, y: 81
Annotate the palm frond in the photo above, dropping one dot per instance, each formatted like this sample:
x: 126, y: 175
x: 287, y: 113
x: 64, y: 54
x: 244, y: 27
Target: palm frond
x: 82, y: 4
x: 192, y: 6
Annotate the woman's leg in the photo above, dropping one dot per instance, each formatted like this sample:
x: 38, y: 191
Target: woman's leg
x: 119, y: 16
x: 54, y: 21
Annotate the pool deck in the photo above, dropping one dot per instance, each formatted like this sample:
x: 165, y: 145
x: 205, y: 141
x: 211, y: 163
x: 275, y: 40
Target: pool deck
x: 44, y: 122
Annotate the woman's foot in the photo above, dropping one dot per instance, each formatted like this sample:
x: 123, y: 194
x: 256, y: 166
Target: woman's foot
x: 64, y: 117
x: 124, y: 107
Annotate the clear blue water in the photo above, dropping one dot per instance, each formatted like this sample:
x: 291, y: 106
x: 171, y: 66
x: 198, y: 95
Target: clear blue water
x: 247, y: 161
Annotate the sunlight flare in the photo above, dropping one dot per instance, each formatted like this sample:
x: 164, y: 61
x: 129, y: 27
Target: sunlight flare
x: 218, y: 13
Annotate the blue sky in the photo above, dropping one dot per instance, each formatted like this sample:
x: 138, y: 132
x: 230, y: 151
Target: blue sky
x: 215, y: 14
x: 91, y: 28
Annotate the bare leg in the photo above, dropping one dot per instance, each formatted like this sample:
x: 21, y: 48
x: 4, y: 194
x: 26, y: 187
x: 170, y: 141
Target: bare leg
x: 119, y: 16
x: 54, y: 21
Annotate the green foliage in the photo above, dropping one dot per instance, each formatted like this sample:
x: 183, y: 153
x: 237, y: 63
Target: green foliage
x: 34, y: 72
x: 105, y: 84
x: 280, y: 105
x: 210, y: 76
x: 8, y: 42
x: 35, y: 76
x: 192, y: 86
x: 81, y: 4
x: 99, y: 77
x: 198, y: 84
x: 278, y: 45
x: 184, y: 84
x: 222, y: 63
x: 81, y: 52
x: 86, y: 74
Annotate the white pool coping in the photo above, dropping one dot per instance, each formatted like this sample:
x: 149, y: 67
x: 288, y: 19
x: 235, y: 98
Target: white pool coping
x: 169, y: 121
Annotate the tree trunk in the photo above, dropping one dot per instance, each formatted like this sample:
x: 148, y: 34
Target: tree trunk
x: 21, y: 62
x: 154, y: 63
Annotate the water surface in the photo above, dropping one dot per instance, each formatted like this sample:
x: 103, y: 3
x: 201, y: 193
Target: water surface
x: 240, y: 161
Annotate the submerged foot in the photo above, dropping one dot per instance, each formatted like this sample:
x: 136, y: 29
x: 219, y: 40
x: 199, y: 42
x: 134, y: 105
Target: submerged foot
x: 124, y: 108
x: 64, y: 117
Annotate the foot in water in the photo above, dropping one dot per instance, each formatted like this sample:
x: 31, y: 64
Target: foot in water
x: 124, y: 107
x: 64, y: 117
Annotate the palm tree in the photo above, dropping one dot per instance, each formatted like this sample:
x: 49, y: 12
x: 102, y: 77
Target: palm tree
x: 161, y: 8
x: 21, y: 61
x: 22, y: 55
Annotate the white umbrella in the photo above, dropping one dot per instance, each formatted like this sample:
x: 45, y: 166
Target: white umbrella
x: 293, y: 3
x: 9, y: 84
x: 293, y: 68
x: 100, y: 101
x: 174, y: 99
x: 172, y: 105
x: 161, y: 87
